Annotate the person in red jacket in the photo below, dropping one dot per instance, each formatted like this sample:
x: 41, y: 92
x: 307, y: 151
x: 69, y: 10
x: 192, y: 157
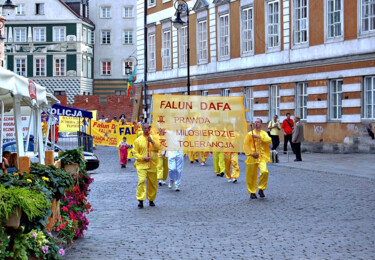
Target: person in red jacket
x: 287, y: 126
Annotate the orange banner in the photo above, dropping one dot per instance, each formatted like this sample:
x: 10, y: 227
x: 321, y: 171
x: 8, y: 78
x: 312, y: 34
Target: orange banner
x: 199, y: 123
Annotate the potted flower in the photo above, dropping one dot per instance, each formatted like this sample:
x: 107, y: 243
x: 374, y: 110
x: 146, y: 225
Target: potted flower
x: 72, y: 160
x: 15, y: 199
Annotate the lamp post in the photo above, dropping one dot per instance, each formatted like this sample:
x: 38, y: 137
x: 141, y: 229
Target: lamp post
x: 182, y: 7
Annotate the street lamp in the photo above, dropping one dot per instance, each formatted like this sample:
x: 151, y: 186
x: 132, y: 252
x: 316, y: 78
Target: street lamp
x: 182, y: 7
x: 8, y: 5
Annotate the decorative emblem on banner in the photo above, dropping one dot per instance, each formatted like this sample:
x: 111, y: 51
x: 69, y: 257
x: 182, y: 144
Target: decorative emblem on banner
x: 32, y: 90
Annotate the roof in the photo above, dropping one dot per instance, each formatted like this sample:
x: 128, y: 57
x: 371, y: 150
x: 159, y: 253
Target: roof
x: 85, y: 19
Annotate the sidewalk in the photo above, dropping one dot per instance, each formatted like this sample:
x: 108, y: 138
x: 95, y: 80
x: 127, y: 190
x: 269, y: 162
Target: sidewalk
x: 356, y: 164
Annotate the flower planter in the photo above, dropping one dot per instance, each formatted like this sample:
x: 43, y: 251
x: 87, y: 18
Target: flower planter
x: 72, y: 168
x: 14, y: 219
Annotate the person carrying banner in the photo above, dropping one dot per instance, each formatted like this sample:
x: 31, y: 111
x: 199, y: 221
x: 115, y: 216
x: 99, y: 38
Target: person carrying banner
x: 176, y: 167
x: 219, y: 163
x: 145, y: 152
x: 124, y: 146
x: 193, y: 156
x: 287, y: 126
x: 162, y: 169
x: 231, y: 159
x: 258, y: 155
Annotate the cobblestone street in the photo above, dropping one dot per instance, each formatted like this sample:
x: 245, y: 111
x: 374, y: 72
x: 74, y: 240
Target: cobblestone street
x: 305, y: 215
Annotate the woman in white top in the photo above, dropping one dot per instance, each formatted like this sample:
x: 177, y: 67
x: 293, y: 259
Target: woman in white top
x: 274, y: 127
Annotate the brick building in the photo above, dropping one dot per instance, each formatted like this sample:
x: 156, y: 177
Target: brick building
x: 312, y: 58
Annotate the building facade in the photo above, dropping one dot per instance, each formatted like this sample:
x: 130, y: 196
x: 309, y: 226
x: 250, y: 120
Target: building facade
x: 311, y: 58
x: 51, y: 43
x: 115, y: 45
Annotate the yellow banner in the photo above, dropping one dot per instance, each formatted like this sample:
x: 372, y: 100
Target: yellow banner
x: 199, y: 123
x: 129, y: 132
x: 68, y: 124
x: 103, y: 133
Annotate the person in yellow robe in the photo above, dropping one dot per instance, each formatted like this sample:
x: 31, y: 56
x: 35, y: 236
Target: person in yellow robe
x: 231, y: 159
x: 258, y: 155
x: 162, y: 169
x: 219, y: 163
x: 145, y: 152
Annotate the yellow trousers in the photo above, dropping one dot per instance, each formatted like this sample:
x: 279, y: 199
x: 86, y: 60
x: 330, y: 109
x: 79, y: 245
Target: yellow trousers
x: 219, y: 162
x: 162, y: 169
x: 252, y: 174
x: 193, y: 156
x: 204, y: 156
x: 231, y: 159
x: 152, y: 186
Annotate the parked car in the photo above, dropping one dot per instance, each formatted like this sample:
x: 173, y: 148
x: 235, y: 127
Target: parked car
x: 92, y: 161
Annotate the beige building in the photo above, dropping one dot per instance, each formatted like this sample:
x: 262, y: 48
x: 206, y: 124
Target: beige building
x: 312, y: 58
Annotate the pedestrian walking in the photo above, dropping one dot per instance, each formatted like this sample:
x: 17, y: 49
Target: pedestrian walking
x: 204, y: 156
x: 176, y: 167
x: 124, y: 146
x: 162, y: 169
x: 146, y: 148
x: 193, y: 156
x: 297, y: 138
x: 287, y: 126
x: 258, y: 155
x: 274, y: 128
x: 231, y: 159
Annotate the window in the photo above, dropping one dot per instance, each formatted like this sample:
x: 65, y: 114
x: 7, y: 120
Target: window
x: 89, y: 68
x: 249, y: 104
x: 89, y: 36
x: 20, y: 9
x: 336, y: 99
x: 166, y: 50
x: 106, y: 37
x: 182, y: 33
x: 39, y: 34
x: 128, y: 12
x: 202, y: 42
x: 369, y: 97
x: 247, y: 30
x: 300, y: 21
x: 120, y: 92
x: 151, y: 52
x: 224, y: 36
x: 334, y: 18
x: 59, y: 67
x: 84, y: 67
x: 39, y: 8
x: 84, y: 35
x: 273, y: 24
x: 367, y: 16
x: 40, y: 67
x: 302, y: 100
x: 225, y: 92
x: 106, y: 68
x: 20, y: 34
x: 128, y: 37
x: 204, y: 92
x: 59, y: 93
x: 151, y: 3
x: 105, y: 12
x: 59, y: 34
x: 274, y: 100
x: 20, y: 66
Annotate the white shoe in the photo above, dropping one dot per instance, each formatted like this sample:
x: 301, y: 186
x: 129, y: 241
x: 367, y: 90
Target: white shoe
x: 170, y: 185
x: 230, y: 180
x: 203, y: 164
x: 162, y: 182
x: 234, y: 180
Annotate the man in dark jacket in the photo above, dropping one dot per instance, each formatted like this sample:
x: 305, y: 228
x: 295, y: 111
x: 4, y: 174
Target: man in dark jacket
x: 297, y: 139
